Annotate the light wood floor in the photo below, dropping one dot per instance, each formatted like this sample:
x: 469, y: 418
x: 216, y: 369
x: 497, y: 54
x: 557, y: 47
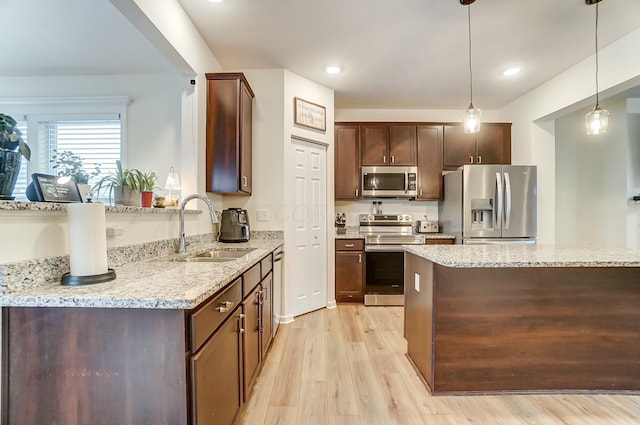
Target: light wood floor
x: 347, y: 366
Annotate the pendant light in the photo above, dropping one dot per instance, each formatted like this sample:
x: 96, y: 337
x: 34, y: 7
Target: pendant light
x: 598, y: 119
x: 471, y: 118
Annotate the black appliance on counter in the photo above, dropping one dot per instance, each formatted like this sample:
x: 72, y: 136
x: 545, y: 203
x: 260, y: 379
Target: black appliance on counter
x: 234, y: 226
x: 384, y: 236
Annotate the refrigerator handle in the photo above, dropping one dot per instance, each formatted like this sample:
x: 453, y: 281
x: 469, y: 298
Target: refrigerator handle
x: 498, y: 218
x: 507, y: 200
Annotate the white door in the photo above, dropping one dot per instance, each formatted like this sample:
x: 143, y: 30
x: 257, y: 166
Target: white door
x: 309, y: 206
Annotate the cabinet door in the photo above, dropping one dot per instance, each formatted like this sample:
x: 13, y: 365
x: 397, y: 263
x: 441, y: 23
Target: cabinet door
x: 215, y: 377
x: 349, y: 276
x: 375, y: 142
x: 429, y: 162
x: 246, y: 108
x: 347, y: 162
x: 402, y: 145
x: 266, y: 320
x: 459, y: 148
x: 493, y: 144
x: 251, y: 340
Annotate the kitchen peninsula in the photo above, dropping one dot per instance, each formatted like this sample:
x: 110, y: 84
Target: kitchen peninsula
x: 520, y: 319
x: 172, y: 340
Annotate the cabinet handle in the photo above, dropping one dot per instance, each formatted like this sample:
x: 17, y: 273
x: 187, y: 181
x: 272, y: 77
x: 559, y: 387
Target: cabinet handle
x: 393, y: 159
x: 245, y: 181
x: 384, y: 159
x: 242, y: 322
x: 356, y: 192
x: 226, y: 306
x: 479, y: 160
x: 266, y: 296
x: 349, y: 245
x: 359, y: 258
x: 471, y: 159
x: 420, y: 192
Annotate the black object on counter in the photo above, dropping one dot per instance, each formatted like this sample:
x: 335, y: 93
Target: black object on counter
x: 68, y: 280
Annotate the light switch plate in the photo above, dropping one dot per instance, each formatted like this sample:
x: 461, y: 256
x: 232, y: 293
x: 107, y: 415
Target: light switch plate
x: 262, y: 215
x: 115, y: 231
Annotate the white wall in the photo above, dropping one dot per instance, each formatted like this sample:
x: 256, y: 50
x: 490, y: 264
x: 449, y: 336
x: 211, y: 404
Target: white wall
x: 591, y: 180
x: 533, y: 115
x: 267, y: 151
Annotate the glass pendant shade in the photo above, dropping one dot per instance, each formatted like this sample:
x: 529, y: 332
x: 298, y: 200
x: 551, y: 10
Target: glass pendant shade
x: 173, y: 181
x: 471, y: 120
x: 597, y: 121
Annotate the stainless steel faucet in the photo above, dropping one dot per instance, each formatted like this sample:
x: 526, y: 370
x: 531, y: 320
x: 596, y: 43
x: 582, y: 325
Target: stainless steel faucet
x: 182, y: 245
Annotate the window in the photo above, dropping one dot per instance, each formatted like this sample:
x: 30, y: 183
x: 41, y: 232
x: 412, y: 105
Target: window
x: 96, y: 141
x: 90, y: 127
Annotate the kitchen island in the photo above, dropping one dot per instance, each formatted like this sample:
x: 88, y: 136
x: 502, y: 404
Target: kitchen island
x: 521, y: 319
x: 172, y: 340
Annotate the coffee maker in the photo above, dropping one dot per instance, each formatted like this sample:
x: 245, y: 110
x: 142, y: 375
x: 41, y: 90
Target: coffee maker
x: 235, y: 225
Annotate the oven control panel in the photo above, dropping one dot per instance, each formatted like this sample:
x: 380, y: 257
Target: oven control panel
x: 385, y: 220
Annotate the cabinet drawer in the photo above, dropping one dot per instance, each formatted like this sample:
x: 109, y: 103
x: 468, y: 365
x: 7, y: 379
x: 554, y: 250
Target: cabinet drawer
x: 250, y: 279
x: 266, y: 265
x: 349, y: 244
x: 207, y: 319
x: 440, y: 241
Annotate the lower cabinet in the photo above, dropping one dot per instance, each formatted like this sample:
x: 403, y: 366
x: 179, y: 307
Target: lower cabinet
x: 218, y: 401
x: 251, y: 339
x: 349, y: 277
x: 442, y: 241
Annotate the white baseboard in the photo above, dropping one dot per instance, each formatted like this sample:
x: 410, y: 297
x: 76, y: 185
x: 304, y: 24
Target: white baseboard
x: 283, y: 320
x: 332, y: 304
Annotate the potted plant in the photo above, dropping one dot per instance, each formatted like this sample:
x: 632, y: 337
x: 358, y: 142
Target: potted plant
x: 146, y: 182
x: 12, y: 149
x: 68, y: 164
x: 122, y: 186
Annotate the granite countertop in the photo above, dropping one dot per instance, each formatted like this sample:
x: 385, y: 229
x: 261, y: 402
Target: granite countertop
x: 485, y: 256
x: 158, y: 283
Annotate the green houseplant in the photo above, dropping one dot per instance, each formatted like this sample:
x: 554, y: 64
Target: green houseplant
x: 68, y: 164
x: 12, y: 149
x: 121, y: 186
x: 146, y: 182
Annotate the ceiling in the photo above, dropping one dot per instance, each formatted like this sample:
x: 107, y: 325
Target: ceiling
x: 395, y: 54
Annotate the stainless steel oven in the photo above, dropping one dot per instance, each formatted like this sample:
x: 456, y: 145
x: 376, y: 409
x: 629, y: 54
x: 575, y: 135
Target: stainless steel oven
x: 384, y: 272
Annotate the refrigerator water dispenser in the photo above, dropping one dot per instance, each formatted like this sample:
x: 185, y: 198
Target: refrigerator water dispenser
x: 482, y: 213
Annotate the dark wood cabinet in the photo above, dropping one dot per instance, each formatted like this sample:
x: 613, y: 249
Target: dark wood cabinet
x: 229, y: 117
x: 350, y: 261
x: 492, y: 145
x: 347, y: 162
x: 429, y: 162
x: 218, y: 401
x: 388, y: 144
x: 266, y: 316
x: 442, y: 241
x: 251, y: 339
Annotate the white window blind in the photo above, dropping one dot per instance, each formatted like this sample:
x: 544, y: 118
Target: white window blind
x: 97, y: 142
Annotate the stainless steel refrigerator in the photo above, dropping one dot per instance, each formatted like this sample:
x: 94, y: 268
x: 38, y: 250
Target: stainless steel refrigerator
x: 489, y: 204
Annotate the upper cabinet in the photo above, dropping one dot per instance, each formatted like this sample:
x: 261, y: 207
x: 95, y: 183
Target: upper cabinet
x: 347, y: 162
x: 388, y: 144
x: 429, y: 162
x: 229, y: 116
x: 492, y: 145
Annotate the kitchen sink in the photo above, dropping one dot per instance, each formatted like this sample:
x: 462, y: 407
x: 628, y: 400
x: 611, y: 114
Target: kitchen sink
x: 218, y: 255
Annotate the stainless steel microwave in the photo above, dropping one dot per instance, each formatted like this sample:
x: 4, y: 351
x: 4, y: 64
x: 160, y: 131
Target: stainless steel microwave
x: 389, y: 182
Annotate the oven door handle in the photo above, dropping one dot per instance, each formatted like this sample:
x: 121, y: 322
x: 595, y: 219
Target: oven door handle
x: 383, y: 248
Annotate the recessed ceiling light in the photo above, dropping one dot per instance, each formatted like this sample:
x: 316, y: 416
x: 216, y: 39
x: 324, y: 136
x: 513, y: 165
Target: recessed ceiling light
x: 333, y: 69
x: 215, y: 1
x: 511, y: 71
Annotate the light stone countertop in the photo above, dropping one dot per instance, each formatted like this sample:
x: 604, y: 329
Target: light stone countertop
x: 157, y: 283
x: 487, y: 256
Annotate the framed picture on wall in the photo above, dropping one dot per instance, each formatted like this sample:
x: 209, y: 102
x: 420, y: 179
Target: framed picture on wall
x: 309, y: 114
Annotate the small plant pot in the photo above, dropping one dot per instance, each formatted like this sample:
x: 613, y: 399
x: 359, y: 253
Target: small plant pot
x: 146, y: 199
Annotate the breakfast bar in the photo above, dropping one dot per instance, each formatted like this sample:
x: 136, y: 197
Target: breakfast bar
x: 523, y: 319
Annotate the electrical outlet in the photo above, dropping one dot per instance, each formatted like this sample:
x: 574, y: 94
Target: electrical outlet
x: 115, y: 231
x: 262, y: 215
